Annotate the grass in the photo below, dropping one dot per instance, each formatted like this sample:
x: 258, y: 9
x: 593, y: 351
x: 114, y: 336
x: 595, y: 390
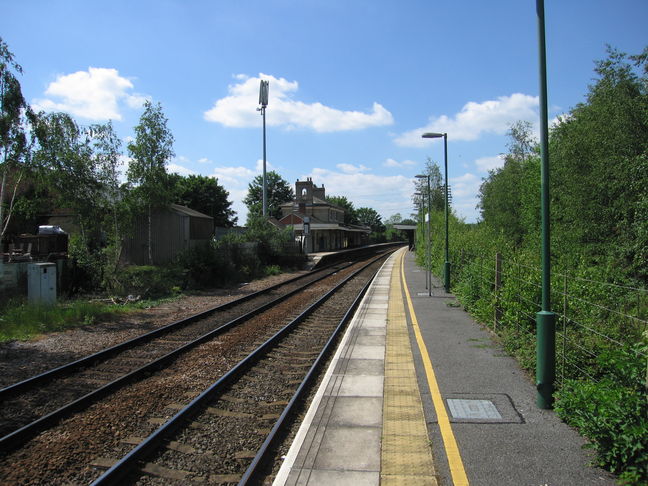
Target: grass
x: 22, y: 321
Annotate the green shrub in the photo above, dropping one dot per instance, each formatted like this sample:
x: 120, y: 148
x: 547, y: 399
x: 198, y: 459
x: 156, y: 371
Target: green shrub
x: 149, y: 281
x: 272, y: 270
x: 612, y: 413
x: 205, y: 266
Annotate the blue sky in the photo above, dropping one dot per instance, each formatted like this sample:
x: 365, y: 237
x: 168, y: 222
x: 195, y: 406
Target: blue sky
x: 353, y: 83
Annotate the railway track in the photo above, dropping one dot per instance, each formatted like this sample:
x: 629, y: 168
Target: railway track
x: 35, y: 403
x: 77, y: 446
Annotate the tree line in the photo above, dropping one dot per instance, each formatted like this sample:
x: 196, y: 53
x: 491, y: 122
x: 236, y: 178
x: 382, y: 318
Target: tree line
x: 49, y: 163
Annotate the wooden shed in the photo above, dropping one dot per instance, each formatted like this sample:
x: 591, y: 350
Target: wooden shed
x: 173, y: 229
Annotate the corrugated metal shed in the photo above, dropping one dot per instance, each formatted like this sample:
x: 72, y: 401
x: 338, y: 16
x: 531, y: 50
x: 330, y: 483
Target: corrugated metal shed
x: 173, y: 229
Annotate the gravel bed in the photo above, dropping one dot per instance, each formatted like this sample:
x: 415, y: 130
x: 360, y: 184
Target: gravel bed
x: 65, y: 453
x: 22, y: 409
x: 222, y: 447
x: 22, y: 359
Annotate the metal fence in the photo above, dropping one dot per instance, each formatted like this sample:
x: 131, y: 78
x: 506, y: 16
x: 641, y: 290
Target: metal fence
x: 592, y: 317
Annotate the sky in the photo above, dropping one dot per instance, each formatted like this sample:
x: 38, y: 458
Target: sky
x: 353, y: 83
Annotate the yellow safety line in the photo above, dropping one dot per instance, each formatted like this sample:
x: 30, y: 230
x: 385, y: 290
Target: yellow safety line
x: 457, y: 470
x: 406, y: 456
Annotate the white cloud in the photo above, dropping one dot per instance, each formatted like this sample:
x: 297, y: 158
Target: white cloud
x: 395, y: 163
x: 204, y: 160
x: 484, y: 164
x: 259, y: 166
x: 238, y: 109
x: 172, y: 167
x: 234, y: 176
x: 465, y: 186
x: 465, y: 190
x: 94, y: 94
x: 352, y: 169
x: 122, y: 168
x: 476, y: 119
x: 386, y: 194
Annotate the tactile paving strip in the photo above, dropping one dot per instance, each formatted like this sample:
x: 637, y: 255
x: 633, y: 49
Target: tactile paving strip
x: 406, y: 457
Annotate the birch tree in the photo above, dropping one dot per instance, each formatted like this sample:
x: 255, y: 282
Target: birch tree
x: 15, y: 116
x: 150, y: 152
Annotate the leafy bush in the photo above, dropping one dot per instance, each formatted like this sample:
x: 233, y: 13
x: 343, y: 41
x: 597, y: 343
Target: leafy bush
x: 612, y: 414
x: 85, y: 266
x: 205, y: 266
x: 149, y: 281
x: 272, y: 270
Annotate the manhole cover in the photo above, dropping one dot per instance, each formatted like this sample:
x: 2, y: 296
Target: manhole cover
x: 473, y: 409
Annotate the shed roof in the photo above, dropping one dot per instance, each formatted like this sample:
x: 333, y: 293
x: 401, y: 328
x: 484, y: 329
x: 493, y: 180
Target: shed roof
x: 188, y: 211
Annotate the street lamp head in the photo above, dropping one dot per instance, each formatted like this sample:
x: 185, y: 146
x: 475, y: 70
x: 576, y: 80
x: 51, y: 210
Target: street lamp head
x: 433, y: 135
x: 421, y: 176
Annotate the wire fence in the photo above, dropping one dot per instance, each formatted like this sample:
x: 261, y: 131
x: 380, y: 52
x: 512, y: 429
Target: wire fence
x: 592, y: 317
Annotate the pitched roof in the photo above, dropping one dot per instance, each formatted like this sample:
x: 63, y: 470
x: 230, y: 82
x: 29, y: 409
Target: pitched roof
x: 189, y: 212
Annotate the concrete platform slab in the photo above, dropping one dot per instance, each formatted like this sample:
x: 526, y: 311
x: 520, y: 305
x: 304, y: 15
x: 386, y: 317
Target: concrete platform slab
x: 337, y: 442
x: 339, y: 478
x: 361, y: 351
x: 361, y: 386
x: 357, y: 411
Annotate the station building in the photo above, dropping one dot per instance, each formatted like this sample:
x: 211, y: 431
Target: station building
x: 318, y: 224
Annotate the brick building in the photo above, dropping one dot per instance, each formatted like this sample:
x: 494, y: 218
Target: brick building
x: 325, y: 227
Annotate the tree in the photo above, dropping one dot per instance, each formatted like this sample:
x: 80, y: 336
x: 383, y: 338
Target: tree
x: 15, y: 116
x: 522, y: 143
x: 509, y: 195
x: 394, y: 219
x: 278, y: 189
x: 600, y: 168
x: 64, y: 157
x: 350, y: 216
x: 369, y: 217
x: 206, y: 195
x: 106, y: 147
x: 150, y: 152
x: 436, y: 188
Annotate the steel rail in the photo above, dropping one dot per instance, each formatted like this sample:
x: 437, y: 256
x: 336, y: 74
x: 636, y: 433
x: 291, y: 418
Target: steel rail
x: 265, y: 448
x: 119, y: 470
x: 108, y: 352
x: 19, y: 436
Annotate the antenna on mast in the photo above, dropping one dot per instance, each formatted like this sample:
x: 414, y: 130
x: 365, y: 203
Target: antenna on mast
x: 263, y: 101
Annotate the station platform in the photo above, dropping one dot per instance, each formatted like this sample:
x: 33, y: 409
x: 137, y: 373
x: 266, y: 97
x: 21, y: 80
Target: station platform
x: 419, y: 394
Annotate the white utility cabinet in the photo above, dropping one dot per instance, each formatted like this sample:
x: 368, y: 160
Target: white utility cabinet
x: 41, y: 283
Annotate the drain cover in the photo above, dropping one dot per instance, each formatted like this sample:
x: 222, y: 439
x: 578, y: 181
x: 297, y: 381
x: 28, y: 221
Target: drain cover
x: 473, y: 409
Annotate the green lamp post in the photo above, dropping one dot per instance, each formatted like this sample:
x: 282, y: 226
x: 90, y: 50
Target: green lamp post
x: 545, y: 319
x: 428, y: 270
x: 446, y: 265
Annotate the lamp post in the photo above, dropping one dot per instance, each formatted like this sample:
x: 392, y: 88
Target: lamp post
x: 428, y: 270
x: 446, y: 265
x: 545, y: 319
x: 425, y: 233
x: 263, y: 101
